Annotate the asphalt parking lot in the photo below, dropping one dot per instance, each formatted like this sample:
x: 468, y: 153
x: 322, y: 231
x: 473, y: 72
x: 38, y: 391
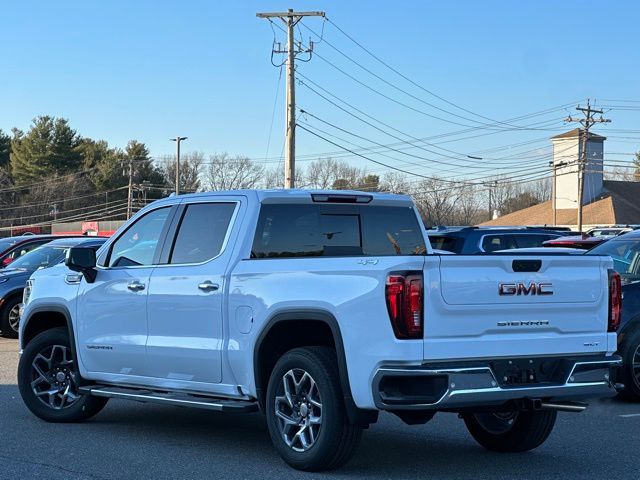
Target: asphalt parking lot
x: 135, y: 441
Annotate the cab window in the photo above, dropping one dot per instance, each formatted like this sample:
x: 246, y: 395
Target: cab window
x: 137, y: 245
x: 201, y: 233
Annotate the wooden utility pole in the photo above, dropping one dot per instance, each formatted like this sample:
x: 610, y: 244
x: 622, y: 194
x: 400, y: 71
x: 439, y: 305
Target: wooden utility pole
x: 583, y: 137
x: 130, y: 191
x: 290, y: 18
x: 178, y: 139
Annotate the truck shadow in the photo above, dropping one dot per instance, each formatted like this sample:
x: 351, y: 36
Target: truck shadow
x: 168, y: 439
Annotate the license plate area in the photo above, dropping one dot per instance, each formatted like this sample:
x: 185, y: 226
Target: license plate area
x: 530, y: 371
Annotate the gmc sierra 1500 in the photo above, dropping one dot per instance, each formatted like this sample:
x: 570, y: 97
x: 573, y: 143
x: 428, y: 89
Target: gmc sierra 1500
x: 319, y: 309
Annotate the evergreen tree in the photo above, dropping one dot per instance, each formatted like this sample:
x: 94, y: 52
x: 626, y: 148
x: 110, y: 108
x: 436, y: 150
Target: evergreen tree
x: 48, y: 148
x: 5, y: 149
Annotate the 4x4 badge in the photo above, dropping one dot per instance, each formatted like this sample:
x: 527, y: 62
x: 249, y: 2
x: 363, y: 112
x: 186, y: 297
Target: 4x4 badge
x: 368, y: 261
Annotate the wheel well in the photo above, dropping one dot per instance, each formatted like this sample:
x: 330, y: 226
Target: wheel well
x: 282, y: 337
x: 11, y: 296
x: 40, y: 322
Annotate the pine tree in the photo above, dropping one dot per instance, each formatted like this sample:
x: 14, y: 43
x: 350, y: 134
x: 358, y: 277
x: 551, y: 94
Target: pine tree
x: 48, y: 148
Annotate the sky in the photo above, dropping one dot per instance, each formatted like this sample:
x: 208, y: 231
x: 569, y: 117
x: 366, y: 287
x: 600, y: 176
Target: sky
x: 152, y: 70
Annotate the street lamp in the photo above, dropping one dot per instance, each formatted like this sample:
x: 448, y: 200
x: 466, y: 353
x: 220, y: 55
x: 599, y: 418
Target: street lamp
x: 178, y: 140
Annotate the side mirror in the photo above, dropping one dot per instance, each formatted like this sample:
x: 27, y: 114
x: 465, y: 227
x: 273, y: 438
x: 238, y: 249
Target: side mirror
x: 83, y: 260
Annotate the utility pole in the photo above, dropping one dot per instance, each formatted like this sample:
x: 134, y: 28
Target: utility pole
x: 178, y: 139
x: 587, y: 122
x: 130, y: 190
x: 492, y: 185
x: 291, y: 19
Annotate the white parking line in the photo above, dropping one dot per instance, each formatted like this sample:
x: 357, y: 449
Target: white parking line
x: 629, y: 415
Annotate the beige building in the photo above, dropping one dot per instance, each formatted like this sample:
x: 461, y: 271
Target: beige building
x: 605, y: 202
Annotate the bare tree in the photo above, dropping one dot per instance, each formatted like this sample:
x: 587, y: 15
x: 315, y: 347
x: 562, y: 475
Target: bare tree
x: 330, y: 173
x: 190, y: 170
x: 436, y: 200
x: 394, y: 182
x: 232, y: 173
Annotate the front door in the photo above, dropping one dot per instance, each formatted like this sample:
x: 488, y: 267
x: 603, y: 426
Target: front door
x: 185, y: 305
x: 112, y: 312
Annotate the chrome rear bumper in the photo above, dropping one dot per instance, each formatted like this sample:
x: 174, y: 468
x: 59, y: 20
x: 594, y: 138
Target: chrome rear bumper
x: 451, y: 386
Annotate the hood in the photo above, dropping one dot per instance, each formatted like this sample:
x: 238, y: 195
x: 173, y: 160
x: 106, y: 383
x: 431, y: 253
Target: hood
x: 8, y: 273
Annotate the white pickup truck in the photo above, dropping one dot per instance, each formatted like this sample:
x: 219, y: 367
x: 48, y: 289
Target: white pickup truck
x: 319, y: 309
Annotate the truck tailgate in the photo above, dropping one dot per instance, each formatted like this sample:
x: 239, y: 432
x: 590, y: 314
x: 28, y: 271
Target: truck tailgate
x: 480, y: 306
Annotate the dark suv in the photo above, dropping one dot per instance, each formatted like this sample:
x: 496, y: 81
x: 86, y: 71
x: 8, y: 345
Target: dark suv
x: 469, y: 240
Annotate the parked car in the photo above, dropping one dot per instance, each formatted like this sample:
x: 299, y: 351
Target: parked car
x: 14, y: 278
x: 12, y: 248
x: 319, y: 309
x: 469, y: 240
x: 625, y: 252
x: 613, y: 231
x: 590, y: 239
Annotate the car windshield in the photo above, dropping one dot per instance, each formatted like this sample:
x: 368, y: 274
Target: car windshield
x: 625, y: 255
x: 40, y: 257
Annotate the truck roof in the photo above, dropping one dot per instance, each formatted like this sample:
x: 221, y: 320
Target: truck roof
x: 303, y: 196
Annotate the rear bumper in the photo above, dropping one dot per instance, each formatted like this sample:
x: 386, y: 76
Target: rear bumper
x: 451, y: 386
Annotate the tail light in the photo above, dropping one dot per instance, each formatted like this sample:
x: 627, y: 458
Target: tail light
x: 404, y: 294
x: 615, y: 300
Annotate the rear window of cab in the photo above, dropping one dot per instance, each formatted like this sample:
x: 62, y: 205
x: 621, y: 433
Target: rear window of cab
x: 313, y: 230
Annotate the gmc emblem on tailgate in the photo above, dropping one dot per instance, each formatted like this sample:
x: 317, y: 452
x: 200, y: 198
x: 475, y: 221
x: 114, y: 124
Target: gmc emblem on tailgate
x: 533, y: 288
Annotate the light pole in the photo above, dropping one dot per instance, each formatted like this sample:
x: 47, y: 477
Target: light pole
x: 178, y: 140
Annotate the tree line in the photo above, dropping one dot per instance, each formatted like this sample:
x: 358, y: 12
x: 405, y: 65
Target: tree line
x: 51, y: 173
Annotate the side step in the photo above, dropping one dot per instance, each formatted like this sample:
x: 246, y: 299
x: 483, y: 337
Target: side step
x: 172, y: 398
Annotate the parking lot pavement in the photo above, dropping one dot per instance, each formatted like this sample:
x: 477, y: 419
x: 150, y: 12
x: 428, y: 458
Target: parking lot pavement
x: 130, y: 440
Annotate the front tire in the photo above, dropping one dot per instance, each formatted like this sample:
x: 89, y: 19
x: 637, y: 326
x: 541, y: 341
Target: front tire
x: 511, y: 431
x: 305, y: 411
x: 10, y: 317
x: 48, y: 380
x: 630, y: 370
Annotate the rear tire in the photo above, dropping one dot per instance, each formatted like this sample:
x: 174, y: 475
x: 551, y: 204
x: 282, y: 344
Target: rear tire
x: 511, y: 431
x: 48, y: 380
x: 305, y: 411
x: 9, y: 318
x: 630, y: 370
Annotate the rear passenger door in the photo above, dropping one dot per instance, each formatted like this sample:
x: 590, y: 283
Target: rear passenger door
x: 185, y: 303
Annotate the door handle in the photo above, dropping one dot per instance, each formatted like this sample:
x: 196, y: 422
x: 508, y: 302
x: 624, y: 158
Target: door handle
x: 135, y: 286
x: 208, y: 286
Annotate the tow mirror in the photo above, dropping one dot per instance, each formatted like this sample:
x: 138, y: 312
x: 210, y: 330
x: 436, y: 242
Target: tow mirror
x: 83, y: 260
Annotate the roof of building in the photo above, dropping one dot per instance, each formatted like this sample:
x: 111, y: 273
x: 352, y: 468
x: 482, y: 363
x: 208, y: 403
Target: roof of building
x: 577, y: 132
x: 617, y: 205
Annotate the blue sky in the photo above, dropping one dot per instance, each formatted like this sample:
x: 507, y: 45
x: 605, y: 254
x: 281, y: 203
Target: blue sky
x: 152, y: 70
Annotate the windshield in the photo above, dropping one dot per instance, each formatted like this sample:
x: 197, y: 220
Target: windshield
x: 625, y: 255
x: 40, y: 257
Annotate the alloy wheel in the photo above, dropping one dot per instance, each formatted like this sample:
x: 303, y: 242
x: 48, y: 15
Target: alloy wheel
x: 53, y: 380
x: 14, y: 318
x: 298, y: 410
x: 636, y: 365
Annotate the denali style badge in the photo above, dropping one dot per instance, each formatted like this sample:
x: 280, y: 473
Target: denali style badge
x: 533, y: 288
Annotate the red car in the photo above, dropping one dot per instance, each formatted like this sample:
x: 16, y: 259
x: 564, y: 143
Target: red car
x: 583, y: 241
x: 12, y: 248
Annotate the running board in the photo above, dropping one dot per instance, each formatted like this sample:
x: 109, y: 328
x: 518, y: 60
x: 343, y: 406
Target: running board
x: 172, y: 398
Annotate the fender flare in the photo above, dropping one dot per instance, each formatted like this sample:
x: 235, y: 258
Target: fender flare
x: 356, y: 415
x: 67, y: 315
